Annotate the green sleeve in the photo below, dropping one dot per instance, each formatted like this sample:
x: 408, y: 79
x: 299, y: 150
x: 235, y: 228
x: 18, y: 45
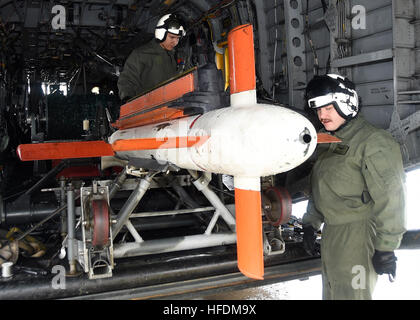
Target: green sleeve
x: 312, y: 216
x: 129, y: 83
x: 384, y: 174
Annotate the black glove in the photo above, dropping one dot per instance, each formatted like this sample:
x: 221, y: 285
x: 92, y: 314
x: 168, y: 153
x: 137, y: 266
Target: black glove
x: 385, y: 262
x: 309, y: 237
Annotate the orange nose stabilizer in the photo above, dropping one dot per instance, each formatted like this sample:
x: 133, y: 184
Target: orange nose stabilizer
x: 327, y: 138
x: 249, y: 233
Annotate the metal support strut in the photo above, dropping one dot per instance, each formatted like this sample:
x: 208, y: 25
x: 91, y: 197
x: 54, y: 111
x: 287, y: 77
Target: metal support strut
x: 132, y: 203
x: 71, y: 217
x: 208, y: 239
x: 203, y: 185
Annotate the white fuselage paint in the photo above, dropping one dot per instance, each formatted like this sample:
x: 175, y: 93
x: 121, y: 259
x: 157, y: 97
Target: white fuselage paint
x: 244, y: 141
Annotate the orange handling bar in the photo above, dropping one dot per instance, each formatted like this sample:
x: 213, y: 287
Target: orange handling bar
x: 249, y: 239
x: 162, y: 95
x: 142, y: 110
x: 91, y: 149
x: 241, y: 59
x: 158, y: 115
x: 64, y: 150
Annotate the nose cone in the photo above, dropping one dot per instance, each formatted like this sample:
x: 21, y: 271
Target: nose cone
x: 306, y: 137
x: 255, y: 141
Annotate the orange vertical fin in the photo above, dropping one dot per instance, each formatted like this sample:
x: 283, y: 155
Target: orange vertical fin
x: 249, y: 233
x: 247, y: 200
x: 241, y: 59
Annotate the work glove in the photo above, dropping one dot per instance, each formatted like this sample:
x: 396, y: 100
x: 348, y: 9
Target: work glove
x: 385, y: 262
x: 309, y: 237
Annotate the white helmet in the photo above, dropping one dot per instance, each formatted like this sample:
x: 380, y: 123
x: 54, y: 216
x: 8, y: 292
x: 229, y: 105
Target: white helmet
x: 336, y: 90
x: 168, y: 23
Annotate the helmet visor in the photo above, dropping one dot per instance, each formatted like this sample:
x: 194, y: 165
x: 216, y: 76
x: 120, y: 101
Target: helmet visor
x: 321, y: 101
x: 179, y: 31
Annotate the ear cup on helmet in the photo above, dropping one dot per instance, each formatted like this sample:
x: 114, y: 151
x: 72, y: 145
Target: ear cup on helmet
x: 160, y: 34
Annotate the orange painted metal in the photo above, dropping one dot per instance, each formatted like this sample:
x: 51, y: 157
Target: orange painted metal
x: 90, y: 149
x: 152, y: 107
x: 327, y: 138
x: 150, y: 117
x: 249, y: 233
x: 158, y: 143
x: 64, y: 150
x: 241, y: 59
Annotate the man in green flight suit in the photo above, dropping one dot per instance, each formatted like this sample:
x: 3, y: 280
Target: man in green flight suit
x: 154, y: 62
x: 358, y: 192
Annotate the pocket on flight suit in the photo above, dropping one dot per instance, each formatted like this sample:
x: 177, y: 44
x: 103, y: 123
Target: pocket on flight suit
x: 346, y: 187
x: 383, y: 173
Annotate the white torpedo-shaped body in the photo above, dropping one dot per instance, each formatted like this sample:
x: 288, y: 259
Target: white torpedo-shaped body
x: 247, y: 141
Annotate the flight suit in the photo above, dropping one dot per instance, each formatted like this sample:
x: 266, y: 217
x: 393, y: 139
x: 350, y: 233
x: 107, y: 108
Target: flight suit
x: 146, y: 67
x: 358, y: 192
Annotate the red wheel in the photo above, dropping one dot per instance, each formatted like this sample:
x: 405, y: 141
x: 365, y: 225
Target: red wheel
x: 100, y: 223
x: 277, y: 205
